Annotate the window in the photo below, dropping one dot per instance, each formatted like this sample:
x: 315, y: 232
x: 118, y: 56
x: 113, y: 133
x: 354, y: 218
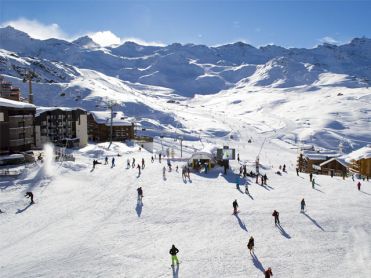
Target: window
x: 1, y: 116
x: 21, y: 135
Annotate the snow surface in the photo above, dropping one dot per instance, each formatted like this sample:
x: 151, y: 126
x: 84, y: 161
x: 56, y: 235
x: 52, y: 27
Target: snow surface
x: 15, y: 104
x: 88, y: 223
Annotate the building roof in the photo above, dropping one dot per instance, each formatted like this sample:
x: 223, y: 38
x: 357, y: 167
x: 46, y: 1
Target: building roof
x: 42, y: 109
x: 338, y: 159
x: 15, y: 104
x: 103, y: 117
x: 362, y: 153
x: 319, y: 155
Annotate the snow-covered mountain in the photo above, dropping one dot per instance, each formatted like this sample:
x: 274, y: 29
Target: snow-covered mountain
x: 197, y: 69
x: 317, y: 95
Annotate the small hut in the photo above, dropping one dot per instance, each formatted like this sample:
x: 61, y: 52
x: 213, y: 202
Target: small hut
x: 334, y: 167
x: 309, y: 161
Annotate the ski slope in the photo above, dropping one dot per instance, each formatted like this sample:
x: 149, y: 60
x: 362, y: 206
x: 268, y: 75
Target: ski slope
x: 88, y: 223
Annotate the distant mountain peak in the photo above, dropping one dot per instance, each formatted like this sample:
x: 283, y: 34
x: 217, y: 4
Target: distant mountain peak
x: 86, y: 42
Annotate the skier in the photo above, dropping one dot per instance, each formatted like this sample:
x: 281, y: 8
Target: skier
x: 302, y: 205
x: 164, y: 172
x: 235, y: 207
x: 238, y: 158
x: 352, y: 177
x: 184, y: 175
x: 280, y: 168
x: 310, y: 177
x: 359, y: 186
x: 265, y: 179
x: 276, y: 217
x: 140, y: 194
x: 138, y: 167
x: 30, y: 195
x: 313, y: 183
x: 152, y: 159
x: 257, y: 179
x: 268, y: 273
x: 106, y: 160
x: 143, y: 164
x: 247, y: 190
x: 113, y: 162
x: 297, y: 171
x: 173, y: 252
x: 176, y: 168
x: 241, y: 170
x: 244, y: 171
x: 128, y: 163
x: 94, y: 163
x: 189, y: 173
x: 250, y: 245
x: 238, y: 182
x: 284, y: 168
x: 133, y: 163
x: 159, y: 158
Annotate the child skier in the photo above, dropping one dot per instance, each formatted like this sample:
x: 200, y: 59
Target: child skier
x: 302, y: 205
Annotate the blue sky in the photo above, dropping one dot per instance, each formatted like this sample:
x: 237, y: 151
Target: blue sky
x: 287, y: 23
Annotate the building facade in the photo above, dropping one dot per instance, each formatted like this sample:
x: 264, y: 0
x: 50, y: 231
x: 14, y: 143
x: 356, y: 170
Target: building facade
x: 99, y: 126
x: 62, y: 126
x: 8, y: 91
x: 16, y: 126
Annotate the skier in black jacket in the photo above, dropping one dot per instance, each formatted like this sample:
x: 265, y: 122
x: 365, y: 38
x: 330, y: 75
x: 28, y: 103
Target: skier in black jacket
x: 173, y: 252
x: 235, y: 206
x: 30, y: 195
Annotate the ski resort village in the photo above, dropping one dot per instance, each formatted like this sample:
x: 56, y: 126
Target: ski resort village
x: 135, y: 159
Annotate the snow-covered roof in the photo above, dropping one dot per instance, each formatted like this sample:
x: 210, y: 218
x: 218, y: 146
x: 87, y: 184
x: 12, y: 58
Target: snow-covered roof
x: 42, y: 109
x: 103, y: 117
x: 338, y: 159
x: 317, y: 155
x: 15, y: 104
x: 207, y: 152
x: 362, y: 153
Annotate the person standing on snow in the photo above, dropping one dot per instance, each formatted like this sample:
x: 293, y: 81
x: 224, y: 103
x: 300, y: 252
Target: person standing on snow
x: 164, y: 172
x: 113, y: 162
x: 143, y: 164
x: 359, y: 186
x: 284, y: 168
x: 310, y: 177
x: 173, y: 252
x: 235, y: 206
x: 189, y: 173
x: 133, y: 163
x: 106, y: 160
x: 276, y: 215
x: 159, y: 157
x: 140, y: 194
x: 250, y: 245
x: 265, y: 179
x: 302, y: 205
x: 238, y: 182
x: 238, y: 158
x: 152, y: 159
x: 313, y: 183
x: 128, y: 163
x: 29, y: 195
x: 138, y: 167
x: 268, y: 273
x: 297, y: 172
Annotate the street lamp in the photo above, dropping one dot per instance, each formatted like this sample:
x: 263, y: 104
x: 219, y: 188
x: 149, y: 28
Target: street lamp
x: 28, y: 77
x: 110, y: 104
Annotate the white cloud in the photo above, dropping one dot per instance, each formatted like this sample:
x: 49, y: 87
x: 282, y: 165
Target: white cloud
x: 105, y: 38
x: 330, y: 40
x: 36, y: 29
